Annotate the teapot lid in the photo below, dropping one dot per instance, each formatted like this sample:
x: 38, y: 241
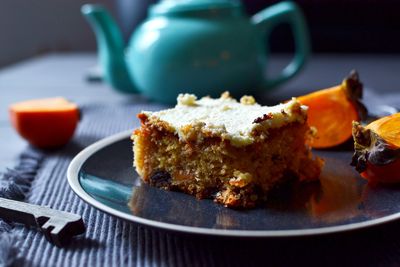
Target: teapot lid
x: 177, y: 6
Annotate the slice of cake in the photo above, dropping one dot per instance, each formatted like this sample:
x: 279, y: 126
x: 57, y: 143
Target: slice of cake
x: 222, y: 149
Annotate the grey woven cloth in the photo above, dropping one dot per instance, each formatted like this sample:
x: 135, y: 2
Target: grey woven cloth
x: 110, y: 241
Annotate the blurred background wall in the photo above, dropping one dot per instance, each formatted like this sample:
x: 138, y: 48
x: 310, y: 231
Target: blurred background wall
x: 344, y: 26
x: 32, y: 27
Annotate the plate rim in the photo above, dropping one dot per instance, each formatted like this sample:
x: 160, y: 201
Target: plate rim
x: 81, y: 157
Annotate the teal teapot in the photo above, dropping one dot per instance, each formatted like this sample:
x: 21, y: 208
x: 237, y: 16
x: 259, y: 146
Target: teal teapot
x: 202, y: 47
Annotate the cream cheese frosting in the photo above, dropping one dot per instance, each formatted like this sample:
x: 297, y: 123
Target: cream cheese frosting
x: 226, y: 117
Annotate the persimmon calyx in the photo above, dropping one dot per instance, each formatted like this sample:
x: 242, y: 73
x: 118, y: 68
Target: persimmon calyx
x: 353, y: 88
x: 370, y: 147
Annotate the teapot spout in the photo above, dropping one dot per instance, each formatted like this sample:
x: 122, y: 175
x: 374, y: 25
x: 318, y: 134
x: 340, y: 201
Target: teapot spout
x: 110, y: 47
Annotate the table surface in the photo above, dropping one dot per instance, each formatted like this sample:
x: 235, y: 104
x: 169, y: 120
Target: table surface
x: 64, y: 75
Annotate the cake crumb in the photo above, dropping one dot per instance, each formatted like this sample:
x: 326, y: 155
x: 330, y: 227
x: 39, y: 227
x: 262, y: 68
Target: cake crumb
x: 226, y: 95
x: 247, y: 100
x: 187, y: 100
x: 226, y: 107
x: 263, y: 118
x: 240, y: 179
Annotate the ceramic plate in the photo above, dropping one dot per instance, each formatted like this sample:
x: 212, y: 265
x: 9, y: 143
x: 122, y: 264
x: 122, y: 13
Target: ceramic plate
x: 103, y: 176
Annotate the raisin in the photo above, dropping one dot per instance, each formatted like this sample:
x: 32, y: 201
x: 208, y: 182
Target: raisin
x: 161, y: 179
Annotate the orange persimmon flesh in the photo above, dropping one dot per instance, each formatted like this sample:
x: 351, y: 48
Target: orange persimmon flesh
x: 45, y: 123
x: 331, y: 113
x: 388, y: 128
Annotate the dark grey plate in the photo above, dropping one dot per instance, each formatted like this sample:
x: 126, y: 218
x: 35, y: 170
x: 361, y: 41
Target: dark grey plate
x: 103, y: 175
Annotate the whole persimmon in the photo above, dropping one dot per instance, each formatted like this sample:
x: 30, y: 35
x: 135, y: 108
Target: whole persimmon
x: 45, y: 123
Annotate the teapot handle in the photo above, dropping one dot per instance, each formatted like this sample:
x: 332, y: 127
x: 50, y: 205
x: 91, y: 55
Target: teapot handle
x: 285, y: 12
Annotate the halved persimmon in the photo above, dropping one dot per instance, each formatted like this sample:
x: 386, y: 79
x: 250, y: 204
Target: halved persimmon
x: 45, y: 123
x: 332, y: 111
x: 377, y: 149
